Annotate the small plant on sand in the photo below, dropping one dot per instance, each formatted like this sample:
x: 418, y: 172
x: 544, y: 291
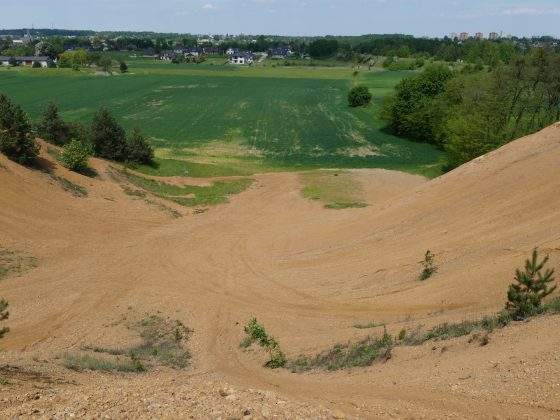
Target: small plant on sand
x: 256, y: 333
x: 429, y: 267
x: 4, y: 315
x: 525, y: 297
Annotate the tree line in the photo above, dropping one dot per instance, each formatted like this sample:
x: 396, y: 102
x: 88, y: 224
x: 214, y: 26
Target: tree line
x: 479, y: 108
x: 104, y: 137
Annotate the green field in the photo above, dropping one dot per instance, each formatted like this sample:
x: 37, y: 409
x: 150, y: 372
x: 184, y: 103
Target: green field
x: 223, y: 120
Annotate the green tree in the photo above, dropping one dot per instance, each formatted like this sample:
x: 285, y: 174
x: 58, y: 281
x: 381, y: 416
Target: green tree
x: 15, y: 138
x: 525, y: 297
x: 139, y: 149
x: 4, y: 315
x: 323, y: 48
x: 123, y: 67
x: 359, y: 96
x: 106, y: 63
x: 75, y: 156
x: 108, y: 137
x: 413, y: 110
x: 51, y: 127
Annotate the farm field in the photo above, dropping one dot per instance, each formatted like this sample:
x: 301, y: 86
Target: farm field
x: 218, y: 120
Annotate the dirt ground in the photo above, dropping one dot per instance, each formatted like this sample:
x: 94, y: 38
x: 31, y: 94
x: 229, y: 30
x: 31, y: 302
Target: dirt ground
x: 307, y: 273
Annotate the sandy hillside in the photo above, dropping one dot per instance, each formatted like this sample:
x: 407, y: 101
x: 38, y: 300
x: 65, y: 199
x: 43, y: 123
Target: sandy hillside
x: 307, y: 273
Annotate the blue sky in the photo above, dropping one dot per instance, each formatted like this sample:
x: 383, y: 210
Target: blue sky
x: 289, y: 17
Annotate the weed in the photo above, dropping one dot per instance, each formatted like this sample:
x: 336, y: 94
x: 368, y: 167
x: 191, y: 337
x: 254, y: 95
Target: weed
x: 429, y: 267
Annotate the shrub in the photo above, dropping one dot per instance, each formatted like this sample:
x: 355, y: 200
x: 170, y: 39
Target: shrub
x: 15, y: 139
x: 256, y: 333
x: 525, y: 297
x: 108, y: 137
x: 4, y: 314
x: 123, y: 67
x: 51, y: 127
x: 138, y: 148
x: 429, y: 266
x: 359, y: 96
x: 75, y: 156
x: 36, y: 65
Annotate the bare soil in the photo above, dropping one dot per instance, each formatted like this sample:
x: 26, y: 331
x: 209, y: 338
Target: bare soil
x: 307, y: 273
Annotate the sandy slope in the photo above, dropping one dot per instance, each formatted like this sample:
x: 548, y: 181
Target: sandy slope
x: 307, y: 273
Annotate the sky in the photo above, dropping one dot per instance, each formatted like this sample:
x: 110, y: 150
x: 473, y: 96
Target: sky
x: 289, y: 17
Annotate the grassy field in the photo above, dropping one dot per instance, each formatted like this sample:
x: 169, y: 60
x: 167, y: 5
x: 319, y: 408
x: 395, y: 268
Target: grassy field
x: 224, y: 120
x: 335, y: 189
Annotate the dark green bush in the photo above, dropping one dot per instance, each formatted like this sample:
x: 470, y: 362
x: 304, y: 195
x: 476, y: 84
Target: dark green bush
x: 4, y: 314
x: 359, y: 96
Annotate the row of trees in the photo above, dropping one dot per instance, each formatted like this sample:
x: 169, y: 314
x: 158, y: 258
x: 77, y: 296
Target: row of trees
x: 472, y: 112
x: 104, y: 137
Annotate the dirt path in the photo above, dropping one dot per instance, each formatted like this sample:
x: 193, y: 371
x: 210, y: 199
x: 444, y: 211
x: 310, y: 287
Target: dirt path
x: 307, y: 273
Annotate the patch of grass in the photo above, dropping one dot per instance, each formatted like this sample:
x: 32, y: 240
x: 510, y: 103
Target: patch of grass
x: 190, y: 195
x: 67, y: 185
x: 256, y: 333
x: 343, y: 356
x: 336, y: 189
x: 162, y: 341
x: 4, y: 381
x: 162, y: 344
x: 88, y: 362
x: 367, y: 325
x: 15, y: 263
x: 351, y: 205
x: 172, y: 212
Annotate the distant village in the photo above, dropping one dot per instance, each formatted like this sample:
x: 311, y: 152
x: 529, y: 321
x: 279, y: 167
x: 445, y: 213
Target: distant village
x: 43, y: 48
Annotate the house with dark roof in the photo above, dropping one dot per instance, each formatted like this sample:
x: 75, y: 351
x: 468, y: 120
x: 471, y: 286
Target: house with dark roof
x: 242, y: 58
x: 280, y: 52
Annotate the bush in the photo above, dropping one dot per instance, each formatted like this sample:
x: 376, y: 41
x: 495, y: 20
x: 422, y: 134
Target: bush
x: 36, y: 65
x: 4, y: 314
x: 359, y: 96
x: 75, y: 156
x: 15, y: 138
x: 525, y: 297
x: 123, y: 67
x: 108, y: 137
x: 51, y: 127
x: 138, y: 148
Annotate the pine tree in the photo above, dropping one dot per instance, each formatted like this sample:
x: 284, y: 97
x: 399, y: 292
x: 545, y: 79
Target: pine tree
x: 15, y: 138
x: 108, y: 137
x: 525, y: 297
x: 139, y: 149
x: 51, y: 127
x: 4, y: 314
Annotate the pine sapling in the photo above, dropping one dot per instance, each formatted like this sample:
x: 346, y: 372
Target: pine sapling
x: 525, y: 297
x: 429, y: 267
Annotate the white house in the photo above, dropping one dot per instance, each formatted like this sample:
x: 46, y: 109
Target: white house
x: 26, y: 61
x: 241, y: 58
